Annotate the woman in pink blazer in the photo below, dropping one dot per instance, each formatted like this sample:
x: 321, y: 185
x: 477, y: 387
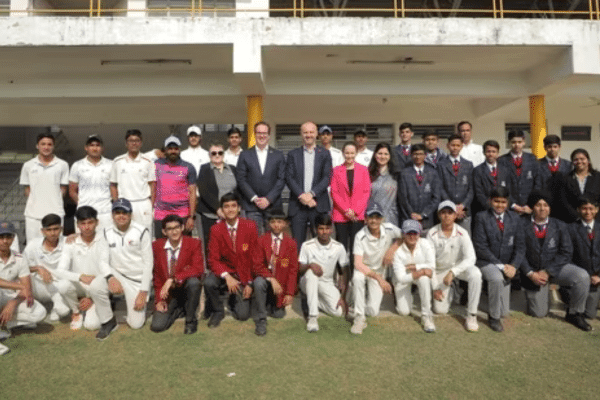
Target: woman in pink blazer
x: 350, y: 190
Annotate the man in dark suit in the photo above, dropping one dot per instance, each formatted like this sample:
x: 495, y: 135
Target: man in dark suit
x: 585, y: 236
x: 499, y: 246
x: 308, y: 170
x: 403, y: 149
x: 553, y: 175
x: 548, y: 254
x: 419, y: 185
x: 523, y: 170
x: 233, y: 242
x: 178, y: 267
x: 488, y: 176
x: 261, y: 177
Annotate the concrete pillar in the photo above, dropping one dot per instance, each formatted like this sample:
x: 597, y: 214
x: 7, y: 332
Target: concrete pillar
x: 252, y: 5
x: 254, y: 110
x: 17, y: 8
x: 135, y: 8
x: 396, y: 133
x: 537, y: 122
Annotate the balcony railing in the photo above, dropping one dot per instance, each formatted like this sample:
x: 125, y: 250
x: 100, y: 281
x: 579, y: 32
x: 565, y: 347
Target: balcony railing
x: 576, y: 9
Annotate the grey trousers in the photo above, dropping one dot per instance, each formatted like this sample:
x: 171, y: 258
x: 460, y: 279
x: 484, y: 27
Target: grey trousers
x: 591, y: 304
x: 498, y: 291
x: 215, y: 287
x: 577, y: 282
x: 264, y: 302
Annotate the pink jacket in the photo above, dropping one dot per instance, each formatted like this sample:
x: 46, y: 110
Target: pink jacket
x: 340, y: 193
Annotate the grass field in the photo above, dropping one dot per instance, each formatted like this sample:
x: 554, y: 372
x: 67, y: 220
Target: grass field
x: 394, y: 358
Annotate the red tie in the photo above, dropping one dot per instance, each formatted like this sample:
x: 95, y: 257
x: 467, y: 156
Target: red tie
x: 494, y: 174
x: 232, y: 235
x: 419, y: 177
x: 500, y: 224
x: 553, y: 166
x: 275, y: 253
x: 518, y: 161
x: 540, y: 230
x: 591, y: 234
x: 406, y: 150
x: 456, y: 167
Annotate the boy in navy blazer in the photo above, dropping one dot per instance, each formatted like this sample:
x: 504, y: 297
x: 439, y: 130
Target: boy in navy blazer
x: 403, y: 149
x: 500, y: 249
x: 553, y: 174
x: 433, y: 154
x: 488, y: 176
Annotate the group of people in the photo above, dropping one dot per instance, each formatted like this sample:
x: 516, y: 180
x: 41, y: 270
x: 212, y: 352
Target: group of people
x: 408, y: 215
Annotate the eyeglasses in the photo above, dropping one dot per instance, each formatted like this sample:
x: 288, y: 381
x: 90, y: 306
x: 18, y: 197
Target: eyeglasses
x: 217, y: 153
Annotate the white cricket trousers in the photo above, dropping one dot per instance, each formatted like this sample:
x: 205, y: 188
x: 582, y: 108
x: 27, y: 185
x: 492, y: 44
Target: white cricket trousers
x: 320, y: 295
x: 367, y: 295
x: 472, y: 275
x: 135, y: 319
x: 23, y: 315
x: 404, y: 297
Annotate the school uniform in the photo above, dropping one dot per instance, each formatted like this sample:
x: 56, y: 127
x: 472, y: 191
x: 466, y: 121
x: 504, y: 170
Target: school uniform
x: 403, y: 156
x: 364, y: 157
x: 548, y: 247
x: 498, y: 240
x: 419, y: 192
x: 456, y: 177
x: 486, y: 178
x: 523, y: 175
x: 275, y: 257
x: 434, y: 158
x: 93, y: 187
x: 586, y: 254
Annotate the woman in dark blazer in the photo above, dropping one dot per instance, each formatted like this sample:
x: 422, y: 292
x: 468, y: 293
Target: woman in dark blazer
x: 583, y: 180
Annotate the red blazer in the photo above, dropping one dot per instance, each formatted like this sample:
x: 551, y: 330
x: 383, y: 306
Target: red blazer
x: 286, y: 266
x: 189, y: 263
x: 223, y: 258
x: 340, y: 192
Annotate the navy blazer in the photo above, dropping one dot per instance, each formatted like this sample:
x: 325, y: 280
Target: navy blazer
x: 403, y: 161
x: 586, y: 253
x: 294, y: 177
x: 521, y: 186
x: 434, y: 161
x: 493, y: 246
x: 209, y: 201
x: 457, y: 188
x: 572, y: 192
x: 251, y: 182
x: 421, y: 199
x: 564, y: 167
x: 483, y: 184
x: 552, y: 255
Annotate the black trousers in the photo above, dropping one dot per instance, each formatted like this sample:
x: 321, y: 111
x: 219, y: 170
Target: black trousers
x: 216, y: 287
x: 184, y: 301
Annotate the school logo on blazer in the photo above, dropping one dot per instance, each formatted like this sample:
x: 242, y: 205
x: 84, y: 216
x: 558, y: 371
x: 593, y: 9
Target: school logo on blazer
x: 552, y: 243
x: 529, y: 175
x: 285, y: 262
x: 245, y: 247
x: 465, y: 180
x: 511, y: 241
x: 503, y: 183
x: 427, y: 188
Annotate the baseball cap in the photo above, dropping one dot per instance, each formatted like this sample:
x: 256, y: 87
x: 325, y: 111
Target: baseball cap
x: 447, y: 204
x: 172, y: 140
x: 325, y: 128
x: 122, y: 204
x: 94, y: 138
x: 411, y: 226
x: 194, y: 130
x: 7, y: 227
x: 374, y: 209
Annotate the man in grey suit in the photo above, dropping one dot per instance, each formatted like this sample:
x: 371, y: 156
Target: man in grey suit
x: 261, y: 178
x: 499, y: 246
x: 308, y: 171
x: 548, y: 258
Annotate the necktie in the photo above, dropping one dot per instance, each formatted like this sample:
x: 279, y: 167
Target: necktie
x: 591, y: 234
x: 406, y: 150
x: 275, y: 253
x: 494, y: 174
x: 540, y: 230
x: 518, y: 161
x: 419, y: 177
x: 553, y: 166
x: 172, y: 262
x: 500, y: 224
x: 232, y: 235
x: 455, y: 167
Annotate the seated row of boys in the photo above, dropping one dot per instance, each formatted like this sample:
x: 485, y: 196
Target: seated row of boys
x: 78, y: 277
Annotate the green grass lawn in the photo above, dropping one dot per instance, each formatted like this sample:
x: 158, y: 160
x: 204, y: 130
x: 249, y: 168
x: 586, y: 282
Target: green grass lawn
x: 393, y: 358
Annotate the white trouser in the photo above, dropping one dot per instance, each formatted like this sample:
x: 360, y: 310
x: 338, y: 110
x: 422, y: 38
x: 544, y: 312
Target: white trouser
x: 135, y: 319
x: 33, y: 229
x: 101, y: 312
x: 404, y: 298
x: 23, y: 314
x: 53, y: 291
x: 473, y: 277
x: 142, y: 213
x: 320, y: 295
x: 366, y: 303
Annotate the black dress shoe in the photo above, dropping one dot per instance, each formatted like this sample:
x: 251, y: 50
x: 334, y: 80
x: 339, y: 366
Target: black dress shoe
x: 578, y: 321
x: 215, y: 319
x: 261, y: 328
x: 190, y: 328
x: 496, y: 325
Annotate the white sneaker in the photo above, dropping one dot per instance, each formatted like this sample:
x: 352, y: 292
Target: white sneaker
x: 359, y: 324
x: 76, y: 321
x: 3, y: 349
x: 471, y: 324
x: 312, y: 325
x: 54, y: 317
x: 428, y: 325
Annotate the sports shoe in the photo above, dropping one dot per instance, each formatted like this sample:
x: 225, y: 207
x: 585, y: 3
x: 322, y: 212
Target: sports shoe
x: 215, y: 319
x: 312, y: 324
x: 106, y: 329
x: 471, y: 324
x: 359, y: 324
x: 76, y: 321
x: 427, y: 322
x: 3, y: 349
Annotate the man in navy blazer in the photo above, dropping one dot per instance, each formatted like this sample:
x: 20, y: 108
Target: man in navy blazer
x: 553, y: 174
x: 403, y: 149
x: 307, y: 174
x: 499, y: 246
x: 261, y: 178
x: 523, y: 169
x: 548, y: 257
x: 488, y: 176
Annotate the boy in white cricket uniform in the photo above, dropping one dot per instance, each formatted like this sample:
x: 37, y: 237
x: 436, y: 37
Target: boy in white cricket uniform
x: 454, y: 258
x: 318, y: 260
x: 414, y: 262
x: 374, y: 246
x: 131, y: 262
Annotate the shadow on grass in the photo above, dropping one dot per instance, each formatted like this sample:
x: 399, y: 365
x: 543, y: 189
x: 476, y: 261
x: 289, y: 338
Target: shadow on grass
x: 41, y: 329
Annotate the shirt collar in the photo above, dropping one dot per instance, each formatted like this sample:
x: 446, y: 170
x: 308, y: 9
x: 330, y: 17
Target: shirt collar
x: 516, y: 155
x: 168, y: 245
x: 454, y: 159
x: 499, y: 216
x: 544, y: 222
x: 266, y: 149
x: 591, y: 224
x: 52, y: 162
x: 419, y: 169
x: 274, y: 236
x: 234, y: 226
x: 556, y: 160
x: 490, y: 166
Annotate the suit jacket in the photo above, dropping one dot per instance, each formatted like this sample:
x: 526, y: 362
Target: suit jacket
x: 586, y: 253
x: 294, y: 177
x: 340, y: 192
x: 189, y: 263
x: 286, y: 265
x: 521, y: 186
x: 236, y: 261
x: 457, y: 188
x: 555, y: 185
x: 434, y: 161
x: 209, y: 201
x: 555, y: 251
x: 493, y: 246
x: 591, y: 190
x: 251, y: 182
x: 484, y: 183
x: 564, y: 167
x: 421, y: 199
x: 403, y: 161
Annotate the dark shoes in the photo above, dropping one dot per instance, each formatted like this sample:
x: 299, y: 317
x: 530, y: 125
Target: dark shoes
x: 190, y: 328
x: 215, y: 319
x: 495, y: 324
x: 106, y: 329
x: 578, y: 321
x: 261, y: 327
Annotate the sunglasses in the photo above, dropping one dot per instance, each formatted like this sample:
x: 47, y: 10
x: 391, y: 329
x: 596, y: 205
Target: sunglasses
x: 217, y: 153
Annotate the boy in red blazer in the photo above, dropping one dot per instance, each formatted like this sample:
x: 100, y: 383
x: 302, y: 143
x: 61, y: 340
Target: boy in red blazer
x: 178, y: 266
x: 232, y: 243
x: 276, y: 271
